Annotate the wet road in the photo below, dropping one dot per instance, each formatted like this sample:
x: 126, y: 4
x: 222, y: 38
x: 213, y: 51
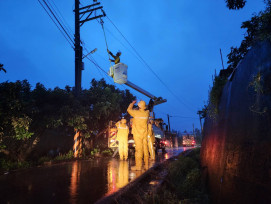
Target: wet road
x: 73, y: 182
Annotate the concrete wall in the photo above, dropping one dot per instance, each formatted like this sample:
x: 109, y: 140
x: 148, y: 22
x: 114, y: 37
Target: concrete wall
x: 236, y: 147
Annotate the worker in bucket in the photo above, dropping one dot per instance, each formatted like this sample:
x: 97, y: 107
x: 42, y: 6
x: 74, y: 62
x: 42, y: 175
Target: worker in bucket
x: 116, y: 58
x: 122, y: 138
x: 140, y: 133
x: 151, y: 139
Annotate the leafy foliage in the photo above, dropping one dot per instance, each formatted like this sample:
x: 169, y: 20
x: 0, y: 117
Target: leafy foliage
x: 216, y: 91
x: 258, y: 28
x: 67, y: 156
x: 183, y: 182
x: 25, y: 114
x: 21, y: 126
x: 2, y: 68
x: 235, y: 4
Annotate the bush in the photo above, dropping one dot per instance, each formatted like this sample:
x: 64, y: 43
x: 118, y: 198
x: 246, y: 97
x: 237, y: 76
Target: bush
x: 216, y: 91
x: 94, y: 151
x: 42, y: 160
x: 7, y: 165
x: 107, y: 152
x: 184, y: 180
x: 62, y: 157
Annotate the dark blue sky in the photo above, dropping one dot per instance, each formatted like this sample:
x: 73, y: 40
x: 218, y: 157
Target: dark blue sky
x: 179, y: 39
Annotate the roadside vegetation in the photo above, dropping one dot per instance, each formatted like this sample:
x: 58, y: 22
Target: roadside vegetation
x: 37, y: 125
x: 257, y: 29
x: 182, y: 183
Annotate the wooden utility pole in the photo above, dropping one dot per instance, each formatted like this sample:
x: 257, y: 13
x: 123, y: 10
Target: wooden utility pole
x: 78, y: 14
x: 78, y: 51
x: 168, y: 122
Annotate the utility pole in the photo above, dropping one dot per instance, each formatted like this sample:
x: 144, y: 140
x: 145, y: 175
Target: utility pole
x: 168, y: 122
x: 78, y: 14
x: 78, y: 51
x: 221, y: 58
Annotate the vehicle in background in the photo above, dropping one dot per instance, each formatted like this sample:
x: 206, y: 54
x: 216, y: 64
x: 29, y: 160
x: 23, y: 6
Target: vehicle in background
x: 160, y: 142
x: 189, y: 140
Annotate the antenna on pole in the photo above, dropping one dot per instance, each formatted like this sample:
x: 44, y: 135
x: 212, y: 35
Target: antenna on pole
x: 221, y: 58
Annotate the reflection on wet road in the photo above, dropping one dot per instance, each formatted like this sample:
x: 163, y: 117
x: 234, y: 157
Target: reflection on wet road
x: 73, y: 182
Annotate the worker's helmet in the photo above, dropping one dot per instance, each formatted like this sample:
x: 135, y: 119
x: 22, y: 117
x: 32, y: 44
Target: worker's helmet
x: 119, y: 53
x: 123, y: 120
x: 141, y: 104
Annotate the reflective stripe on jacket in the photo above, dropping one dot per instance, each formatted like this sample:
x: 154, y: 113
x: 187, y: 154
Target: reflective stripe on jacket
x: 140, y: 120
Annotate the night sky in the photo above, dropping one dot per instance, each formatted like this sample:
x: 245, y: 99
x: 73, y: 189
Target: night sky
x: 178, y: 39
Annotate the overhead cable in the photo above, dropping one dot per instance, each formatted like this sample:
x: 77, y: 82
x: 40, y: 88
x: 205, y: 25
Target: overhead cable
x: 56, y: 25
x: 62, y: 19
x: 181, y: 101
x: 59, y: 23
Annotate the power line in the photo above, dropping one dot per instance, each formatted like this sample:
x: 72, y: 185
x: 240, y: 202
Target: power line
x: 176, y: 116
x: 120, y: 42
x: 58, y: 21
x: 99, y: 68
x: 56, y: 25
x: 181, y: 101
x: 64, y: 22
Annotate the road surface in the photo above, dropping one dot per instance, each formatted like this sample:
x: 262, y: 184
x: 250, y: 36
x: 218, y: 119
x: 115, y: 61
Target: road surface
x: 72, y: 182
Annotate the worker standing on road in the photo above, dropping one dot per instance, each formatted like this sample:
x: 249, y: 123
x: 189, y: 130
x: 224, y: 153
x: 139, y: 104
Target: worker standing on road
x: 140, y: 133
x: 122, y: 137
x: 116, y: 58
x: 151, y: 139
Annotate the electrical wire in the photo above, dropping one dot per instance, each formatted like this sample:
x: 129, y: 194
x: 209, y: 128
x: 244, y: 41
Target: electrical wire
x: 99, y: 68
x: 175, y: 116
x: 145, y: 63
x: 107, y: 30
x: 56, y: 25
x: 58, y: 21
x: 64, y: 22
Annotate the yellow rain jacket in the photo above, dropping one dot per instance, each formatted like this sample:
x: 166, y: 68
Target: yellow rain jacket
x: 140, y: 133
x: 122, y: 137
x: 151, y: 140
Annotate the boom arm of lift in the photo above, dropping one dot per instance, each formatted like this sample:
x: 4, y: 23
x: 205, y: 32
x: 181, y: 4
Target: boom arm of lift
x: 154, y: 99
x: 119, y: 74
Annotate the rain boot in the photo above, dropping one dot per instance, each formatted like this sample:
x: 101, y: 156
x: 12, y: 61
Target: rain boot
x: 138, y: 166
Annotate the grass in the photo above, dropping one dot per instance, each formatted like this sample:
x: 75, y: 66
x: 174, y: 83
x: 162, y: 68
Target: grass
x: 7, y: 165
x: 183, y: 182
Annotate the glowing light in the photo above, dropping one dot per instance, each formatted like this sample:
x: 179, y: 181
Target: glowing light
x: 75, y: 178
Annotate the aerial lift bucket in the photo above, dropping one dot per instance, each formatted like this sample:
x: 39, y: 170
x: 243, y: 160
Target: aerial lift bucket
x: 119, y: 73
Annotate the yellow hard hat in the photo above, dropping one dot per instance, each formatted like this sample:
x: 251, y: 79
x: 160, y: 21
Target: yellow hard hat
x: 141, y: 104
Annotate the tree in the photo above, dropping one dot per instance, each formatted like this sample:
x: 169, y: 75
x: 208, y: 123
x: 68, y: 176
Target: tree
x: 235, y: 4
x: 2, y: 68
x: 257, y: 29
